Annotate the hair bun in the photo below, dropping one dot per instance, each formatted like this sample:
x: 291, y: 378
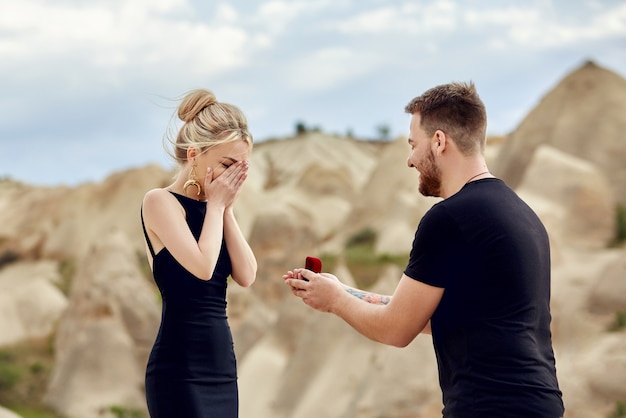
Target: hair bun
x: 194, y: 102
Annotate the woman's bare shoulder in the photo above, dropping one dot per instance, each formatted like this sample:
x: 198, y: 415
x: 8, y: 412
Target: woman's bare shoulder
x: 157, y: 194
x: 158, y: 198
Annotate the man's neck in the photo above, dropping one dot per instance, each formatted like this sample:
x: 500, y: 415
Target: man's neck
x: 466, y: 171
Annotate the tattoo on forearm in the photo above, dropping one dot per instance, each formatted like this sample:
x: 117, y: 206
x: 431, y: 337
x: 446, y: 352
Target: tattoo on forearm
x: 372, y: 298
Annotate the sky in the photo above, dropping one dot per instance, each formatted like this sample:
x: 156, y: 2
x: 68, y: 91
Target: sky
x: 90, y: 87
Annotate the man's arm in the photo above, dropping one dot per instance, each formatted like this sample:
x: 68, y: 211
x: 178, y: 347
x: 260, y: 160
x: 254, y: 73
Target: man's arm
x: 376, y: 299
x: 369, y: 297
x: 396, y: 323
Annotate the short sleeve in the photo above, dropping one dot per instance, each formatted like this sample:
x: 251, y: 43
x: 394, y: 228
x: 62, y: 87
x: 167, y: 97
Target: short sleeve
x: 436, y: 238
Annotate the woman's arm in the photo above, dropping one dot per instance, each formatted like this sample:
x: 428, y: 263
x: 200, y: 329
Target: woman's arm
x: 241, y: 256
x: 167, y: 227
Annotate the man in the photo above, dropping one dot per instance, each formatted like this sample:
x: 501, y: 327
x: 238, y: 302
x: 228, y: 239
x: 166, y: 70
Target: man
x: 478, y: 276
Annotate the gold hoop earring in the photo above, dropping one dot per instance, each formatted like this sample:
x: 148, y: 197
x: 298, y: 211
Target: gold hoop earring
x: 192, y: 181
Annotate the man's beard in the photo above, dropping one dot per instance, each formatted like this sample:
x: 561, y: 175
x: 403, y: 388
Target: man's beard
x: 430, y: 176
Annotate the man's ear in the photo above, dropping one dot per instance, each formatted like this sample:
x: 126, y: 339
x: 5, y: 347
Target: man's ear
x: 439, y: 142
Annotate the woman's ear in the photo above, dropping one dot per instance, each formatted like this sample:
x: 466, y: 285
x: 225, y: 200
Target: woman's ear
x: 192, y: 152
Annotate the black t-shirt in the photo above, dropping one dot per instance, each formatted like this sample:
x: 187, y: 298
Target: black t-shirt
x: 491, y: 330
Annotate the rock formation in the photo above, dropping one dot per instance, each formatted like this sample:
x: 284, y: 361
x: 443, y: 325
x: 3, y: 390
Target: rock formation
x: 582, y: 116
x: 104, y: 338
x: 30, y: 302
x: 583, y: 203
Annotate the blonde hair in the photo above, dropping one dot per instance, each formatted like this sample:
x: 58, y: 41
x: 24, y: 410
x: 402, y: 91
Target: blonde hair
x: 206, y: 123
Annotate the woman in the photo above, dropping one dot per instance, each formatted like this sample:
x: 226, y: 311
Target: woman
x: 193, y: 244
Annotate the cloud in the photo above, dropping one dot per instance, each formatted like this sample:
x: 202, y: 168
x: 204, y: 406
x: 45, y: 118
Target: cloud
x: 325, y: 68
x: 128, y: 42
x: 539, y: 25
x: 107, y: 73
x: 545, y: 27
x: 90, y: 66
x: 408, y: 18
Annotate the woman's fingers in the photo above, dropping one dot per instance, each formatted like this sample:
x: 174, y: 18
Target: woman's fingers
x: 208, y: 178
x: 235, y: 175
x: 227, y: 185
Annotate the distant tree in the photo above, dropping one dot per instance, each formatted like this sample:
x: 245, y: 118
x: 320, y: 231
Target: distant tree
x: 384, y: 131
x: 300, y: 128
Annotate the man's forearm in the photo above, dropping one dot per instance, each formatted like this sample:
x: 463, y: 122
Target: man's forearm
x: 368, y: 297
x: 369, y: 319
x: 376, y: 299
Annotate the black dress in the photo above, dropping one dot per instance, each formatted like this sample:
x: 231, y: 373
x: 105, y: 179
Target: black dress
x: 192, y: 371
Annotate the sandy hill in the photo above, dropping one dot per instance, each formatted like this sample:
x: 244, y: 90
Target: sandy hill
x: 582, y: 116
x: 72, y: 271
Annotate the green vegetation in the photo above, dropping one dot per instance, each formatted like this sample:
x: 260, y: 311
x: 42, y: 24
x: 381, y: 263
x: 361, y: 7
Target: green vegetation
x: 620, y: 225
x: 619, y: 323
x: 273, y: 174
x: 144, y: 265
x: 35, y: 413
x: 24, y: 372
x: 123, y: 412
x: 9, y: 372
x: 67, y: 270
x: 301, y: 128
x: 146, y: 271
x: 8, y: 257
x: 361, y: 259
x: 329, y: 261
x: 383, y: 132
x: 365, y: 237
x: 620, y: 410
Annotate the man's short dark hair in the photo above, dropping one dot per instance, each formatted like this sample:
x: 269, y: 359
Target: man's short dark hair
x: 457, y: 110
